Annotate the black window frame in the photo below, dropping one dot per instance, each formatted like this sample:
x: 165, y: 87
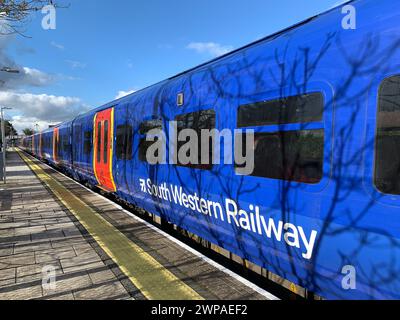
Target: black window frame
x: 282, y: 128
x: 124, y: 142
x: 144, y: 128
x: 279, y: 111
x: 211, y: 151
x: 386, y: 129
x: 87, y: 142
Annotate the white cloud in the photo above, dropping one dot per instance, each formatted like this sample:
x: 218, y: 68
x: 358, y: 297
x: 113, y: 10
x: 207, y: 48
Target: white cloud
x: 29, y: 108
x: 211, y: 48
x: 20, y: 123
x: 36, y: 77
x: 57, y: 45
x: 25, y: 77
x: 76, y: 64
x: 43, y: 107
x: 121, y: 94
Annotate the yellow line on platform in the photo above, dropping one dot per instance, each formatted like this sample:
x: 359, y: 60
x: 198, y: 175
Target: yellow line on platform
x: 153, y: 280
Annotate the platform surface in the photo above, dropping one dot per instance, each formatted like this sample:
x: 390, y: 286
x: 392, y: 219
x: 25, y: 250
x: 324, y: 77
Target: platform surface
x: 95, y: 249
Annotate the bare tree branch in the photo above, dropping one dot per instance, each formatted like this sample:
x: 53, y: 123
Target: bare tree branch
x: 14, y: 14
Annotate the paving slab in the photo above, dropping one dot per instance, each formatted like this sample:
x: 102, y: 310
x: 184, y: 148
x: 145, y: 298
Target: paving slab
x: 36, y: 233
x: 94, y: 250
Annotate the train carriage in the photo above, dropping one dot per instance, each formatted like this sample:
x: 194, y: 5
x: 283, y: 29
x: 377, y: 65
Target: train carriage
x: 82, y: 149
x: 47, y: 145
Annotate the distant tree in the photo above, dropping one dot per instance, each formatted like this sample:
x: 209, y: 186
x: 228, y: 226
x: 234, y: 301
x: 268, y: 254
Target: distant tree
x: 27, y: 132
x: 10, y: 130
x: 14, y: 14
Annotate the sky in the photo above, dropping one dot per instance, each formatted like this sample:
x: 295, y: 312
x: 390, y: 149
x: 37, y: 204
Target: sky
x: 101, y: 50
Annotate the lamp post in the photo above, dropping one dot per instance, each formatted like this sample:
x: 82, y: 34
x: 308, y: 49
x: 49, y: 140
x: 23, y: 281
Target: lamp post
x: 3, y: 129
x: 9, y: 70
x: 3, y: 139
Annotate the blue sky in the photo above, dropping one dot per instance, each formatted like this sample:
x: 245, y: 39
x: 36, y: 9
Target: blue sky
x: 101, y: 49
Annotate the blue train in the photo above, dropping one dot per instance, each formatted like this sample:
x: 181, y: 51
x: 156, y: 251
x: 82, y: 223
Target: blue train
x: 322, y: 206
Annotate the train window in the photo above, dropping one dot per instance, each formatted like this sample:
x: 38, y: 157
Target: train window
x: 387, y: 148
x: 150, y: 125
x: 201, y: 120
x: 87, y: 142
x: 65, y: 146
x: 143, y: 146
x: 77, y: 131
x: 295, y: 109
x: 60, y: 145
x: 289, y: 155
x: 124, y: 142
x: 98, y: 156
x: 105, y: 141
x: 144, y: 128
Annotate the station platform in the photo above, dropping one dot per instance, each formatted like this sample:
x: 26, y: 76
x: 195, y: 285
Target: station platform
x: 94, y: 248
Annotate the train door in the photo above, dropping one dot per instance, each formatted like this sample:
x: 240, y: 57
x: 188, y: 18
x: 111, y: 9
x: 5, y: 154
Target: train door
x: 55, y: 144
x: 40, y: 145
x: 103, y: 138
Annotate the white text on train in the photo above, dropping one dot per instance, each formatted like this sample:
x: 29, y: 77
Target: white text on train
x: 230, y: 212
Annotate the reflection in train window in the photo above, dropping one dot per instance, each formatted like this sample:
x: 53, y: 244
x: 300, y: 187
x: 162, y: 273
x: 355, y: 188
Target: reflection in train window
x: 154, y: 125
x: 146, y: 126
x: 201, y: 120
x: 289, y: 155
x: 387, y: 149
x: 87, y: 143
x: 123, y: 149
x: 295, y: 109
